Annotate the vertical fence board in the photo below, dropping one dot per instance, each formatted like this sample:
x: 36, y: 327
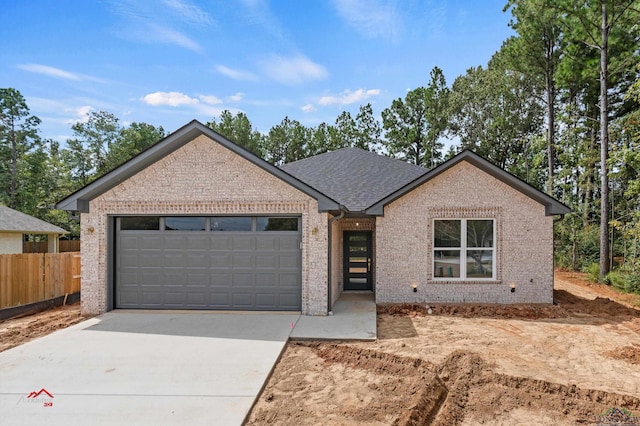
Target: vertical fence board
x: 33, y: 277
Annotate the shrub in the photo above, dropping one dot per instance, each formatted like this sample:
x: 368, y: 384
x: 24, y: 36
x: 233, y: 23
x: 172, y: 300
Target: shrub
x: 593, y: 272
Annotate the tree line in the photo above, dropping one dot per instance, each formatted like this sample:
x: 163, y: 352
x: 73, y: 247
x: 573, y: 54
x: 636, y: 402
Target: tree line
x: 557, y: 105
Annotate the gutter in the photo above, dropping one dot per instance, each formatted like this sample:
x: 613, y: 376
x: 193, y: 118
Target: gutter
x: 333, y: 219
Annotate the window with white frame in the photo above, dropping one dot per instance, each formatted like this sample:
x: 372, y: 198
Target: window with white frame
x: 464, y: 249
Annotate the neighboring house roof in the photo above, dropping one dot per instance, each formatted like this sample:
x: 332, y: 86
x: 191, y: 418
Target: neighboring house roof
x: 80, y: 199
x: 552, y: 206
x: 354, y: 177
x: 14, y: 221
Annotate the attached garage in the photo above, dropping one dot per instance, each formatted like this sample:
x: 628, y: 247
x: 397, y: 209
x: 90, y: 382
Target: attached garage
x: 208, y: 262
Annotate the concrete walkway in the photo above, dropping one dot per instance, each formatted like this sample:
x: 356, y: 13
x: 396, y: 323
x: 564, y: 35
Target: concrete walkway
x: 354, y: 318
x: 143, y: 368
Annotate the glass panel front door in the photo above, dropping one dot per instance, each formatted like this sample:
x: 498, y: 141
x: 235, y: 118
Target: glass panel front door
x: 358, y: 260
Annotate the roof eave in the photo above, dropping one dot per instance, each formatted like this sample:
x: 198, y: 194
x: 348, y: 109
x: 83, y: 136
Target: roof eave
x: 79, y: 200
x: 552, y: 206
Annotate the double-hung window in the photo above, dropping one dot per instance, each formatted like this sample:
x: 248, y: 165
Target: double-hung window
x: 464, y: 249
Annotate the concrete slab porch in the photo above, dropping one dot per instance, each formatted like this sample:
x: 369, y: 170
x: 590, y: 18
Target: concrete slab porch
x: 354, y: 318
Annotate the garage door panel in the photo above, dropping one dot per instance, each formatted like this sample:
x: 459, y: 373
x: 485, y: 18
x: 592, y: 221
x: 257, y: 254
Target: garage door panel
x: 220, y: 280
x: 242, y: 280
x: 266, y: 261
x: 266, y: 280
x: 199, y: 259
x: 153, y: 298
x: 128, y: 298
x: 153, y: 277
x: 151, y: 259
x: 242, y: 261
x: 265, y: 300
x: 291, y: 244
x: 289, y: 262
x: 174, y: 276
x: 174, y: 258
x: 219, y: 300
x: 220, y: 260
x: 177, y: 299
x: 150, y: 242
x: 288, y: 281
x: 197, y: 241
x: 198, y: 299
x: 242, y: 299
x: 243, y: 243
x: 267, y: 243
x: 208, y: 270
x: 175, y: 242
x: 220, y: 242
x: 289, y: 301
x: 197, y: 279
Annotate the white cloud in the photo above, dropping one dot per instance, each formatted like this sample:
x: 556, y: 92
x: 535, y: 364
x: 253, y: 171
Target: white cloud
x: 293, y: 70
x: 159, y: 33
x: 235, y: 74
x: 210, y: 99
x: 308, y: 108
x: 237, y: 97
x: 348, y: 97
x: 371, y: 18
x: 189, y: 12
x: 57, y: 72
x: 173, y: 99
x: 81, y: 114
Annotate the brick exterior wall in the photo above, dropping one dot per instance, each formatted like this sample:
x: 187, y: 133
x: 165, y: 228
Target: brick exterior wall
x: 524, y: 242
x: 203, y: 178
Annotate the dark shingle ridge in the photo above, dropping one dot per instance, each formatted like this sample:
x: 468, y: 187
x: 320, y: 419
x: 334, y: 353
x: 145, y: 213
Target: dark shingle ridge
x: 354, y: 177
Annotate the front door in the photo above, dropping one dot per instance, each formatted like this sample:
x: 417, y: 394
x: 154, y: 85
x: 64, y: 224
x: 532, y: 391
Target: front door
x: 357, y: 261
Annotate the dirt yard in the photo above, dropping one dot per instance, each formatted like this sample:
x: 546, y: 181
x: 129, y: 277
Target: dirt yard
x: 459, y: 365
x: 16, y: 331
x: 466, y: 365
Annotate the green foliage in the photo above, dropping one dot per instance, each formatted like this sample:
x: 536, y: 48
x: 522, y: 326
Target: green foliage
x: 18, y: 136
x: 624, y: 281
x: 238, y: 129
x: 413, y: 126
x: 593, y: 272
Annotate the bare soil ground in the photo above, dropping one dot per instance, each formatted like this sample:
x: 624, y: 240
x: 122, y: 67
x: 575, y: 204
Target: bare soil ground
x: 469, y: 364
x: 16, y: 331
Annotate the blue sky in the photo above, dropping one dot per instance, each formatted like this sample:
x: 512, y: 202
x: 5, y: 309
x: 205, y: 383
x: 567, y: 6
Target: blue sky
x: 166, y: 62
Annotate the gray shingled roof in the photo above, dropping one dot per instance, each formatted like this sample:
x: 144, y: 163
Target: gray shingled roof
x: 354, y: 177
x: 14, y: 221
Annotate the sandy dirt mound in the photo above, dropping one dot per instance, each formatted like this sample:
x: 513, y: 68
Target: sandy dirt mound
x: 405, y: 391
x: 560, y: 364
x: 631, y: 354
x: 16, y: 331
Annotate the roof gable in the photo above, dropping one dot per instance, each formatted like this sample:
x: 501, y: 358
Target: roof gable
x: 14, y: 221
x: 552, y: 206
x: 80, y: 199
x: 354, y: 177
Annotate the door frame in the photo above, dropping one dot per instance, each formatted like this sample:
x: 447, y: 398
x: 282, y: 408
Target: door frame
x: 368, y: 286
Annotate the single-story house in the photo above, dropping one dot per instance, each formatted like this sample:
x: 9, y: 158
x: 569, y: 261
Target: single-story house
x: 14, y: 225
x: 198, y: 222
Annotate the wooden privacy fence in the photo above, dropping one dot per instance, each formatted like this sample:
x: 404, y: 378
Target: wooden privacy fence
x: 43, y: 246
x: 34, y: 277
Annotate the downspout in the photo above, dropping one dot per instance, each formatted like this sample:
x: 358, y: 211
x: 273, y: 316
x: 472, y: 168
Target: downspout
x: 333, y: 219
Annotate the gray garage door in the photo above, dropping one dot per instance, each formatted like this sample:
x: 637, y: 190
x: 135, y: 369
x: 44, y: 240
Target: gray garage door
x: 241, y: 263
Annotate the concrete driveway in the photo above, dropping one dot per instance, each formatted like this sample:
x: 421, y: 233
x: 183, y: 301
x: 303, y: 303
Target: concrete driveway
x: 143, y: 368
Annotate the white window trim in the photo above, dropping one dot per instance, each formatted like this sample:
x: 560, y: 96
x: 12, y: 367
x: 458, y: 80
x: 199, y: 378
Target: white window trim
x: 463, y: 250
